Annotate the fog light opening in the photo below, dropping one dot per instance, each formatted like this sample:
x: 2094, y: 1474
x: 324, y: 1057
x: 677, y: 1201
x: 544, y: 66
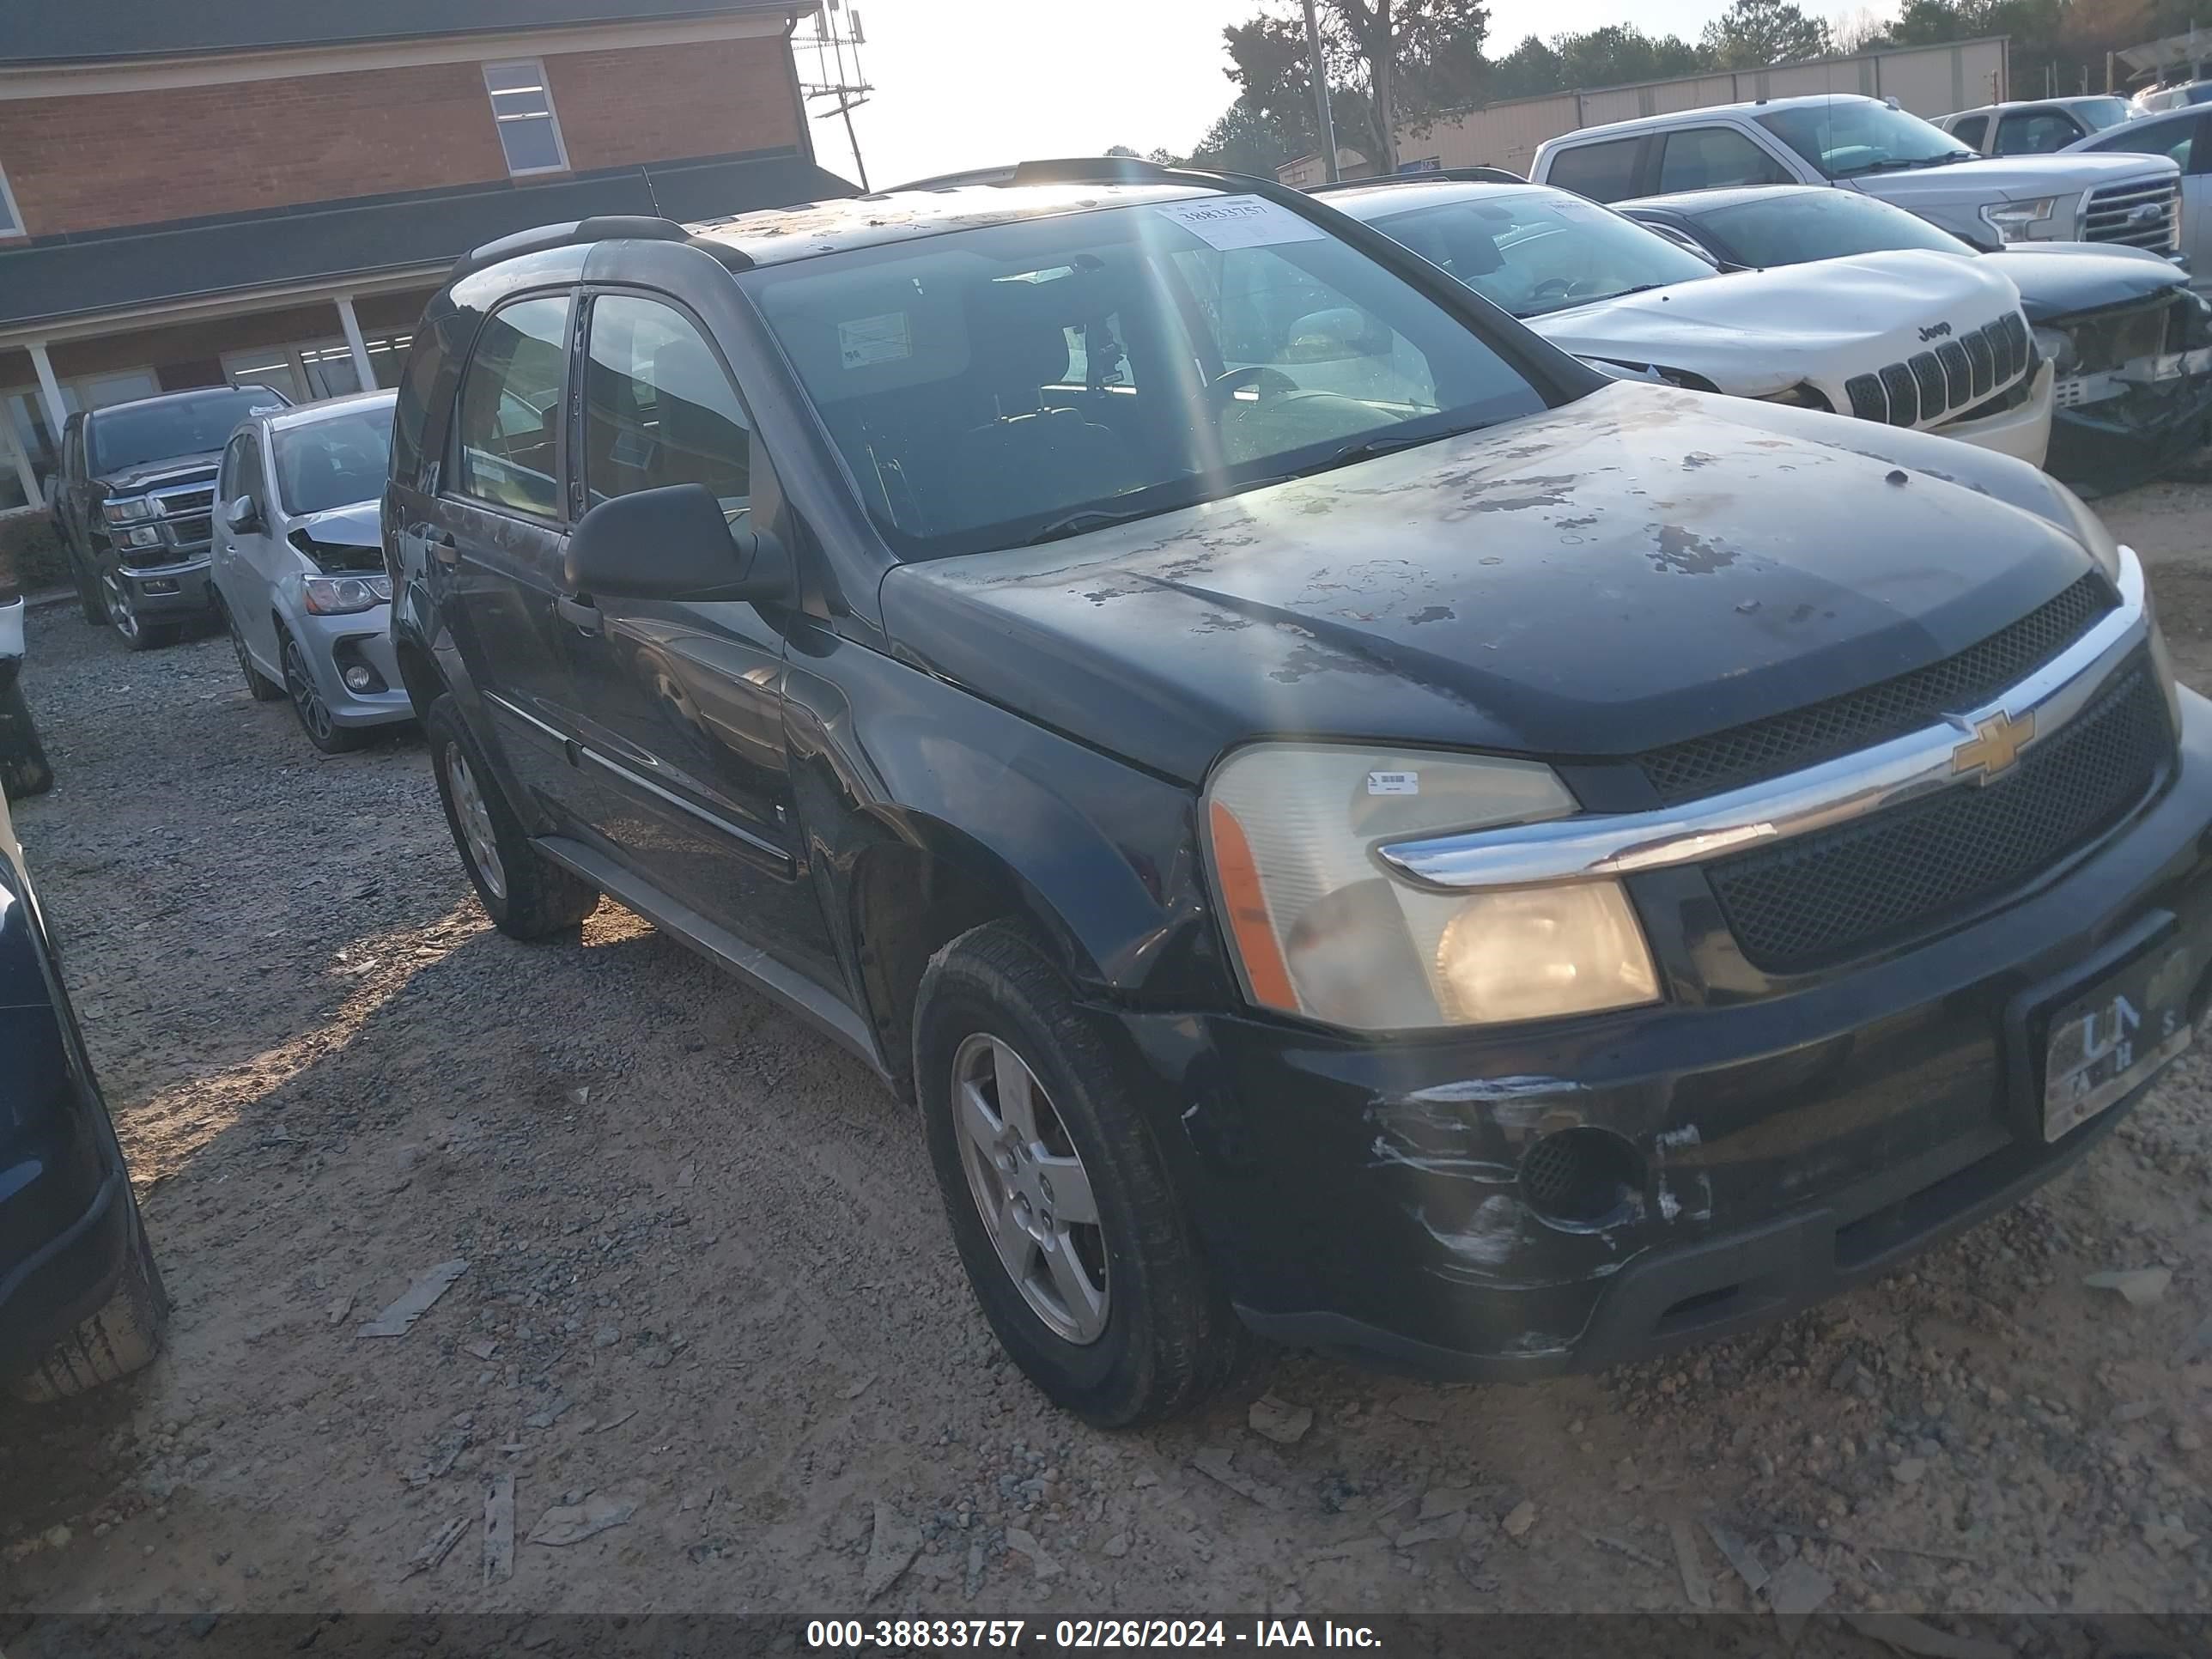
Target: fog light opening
x: 1581, y: 1177
x: 358, y: 678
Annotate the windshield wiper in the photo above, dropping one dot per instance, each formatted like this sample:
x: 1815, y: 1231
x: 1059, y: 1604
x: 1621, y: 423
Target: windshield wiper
x: 1906, y: 165
x: 1382, y: 443
x: 1088, y: 518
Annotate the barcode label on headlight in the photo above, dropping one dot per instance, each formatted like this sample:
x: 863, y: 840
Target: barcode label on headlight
x: 1393, y: 783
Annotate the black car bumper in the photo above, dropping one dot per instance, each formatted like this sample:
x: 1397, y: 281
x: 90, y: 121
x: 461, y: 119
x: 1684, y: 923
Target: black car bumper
x: 174, y: 591
x: 1371, y: 1197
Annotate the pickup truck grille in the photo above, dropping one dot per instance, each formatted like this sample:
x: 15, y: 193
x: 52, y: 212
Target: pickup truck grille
x: 2144, y: 215
x: 1825, y: 896
x: 191, y: 499
x: 1858, y: 719
x: 1957, y: 374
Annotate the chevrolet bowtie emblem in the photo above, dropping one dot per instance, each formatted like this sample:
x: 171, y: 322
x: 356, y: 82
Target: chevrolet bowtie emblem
x: 1994, y: 747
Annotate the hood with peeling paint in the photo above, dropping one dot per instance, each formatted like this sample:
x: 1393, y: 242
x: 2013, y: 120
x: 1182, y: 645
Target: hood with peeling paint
x: 1756, y: 333
x: 1631, y: 570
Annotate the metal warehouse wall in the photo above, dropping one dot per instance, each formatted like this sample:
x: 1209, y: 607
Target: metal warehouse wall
x: 1926, y: 80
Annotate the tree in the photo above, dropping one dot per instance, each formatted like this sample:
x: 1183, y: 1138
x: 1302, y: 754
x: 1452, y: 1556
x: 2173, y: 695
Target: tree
x: 1247, y: 139
x: 1616, y: 55
x: 1756, y: 33
x: 1389, y: 62
x: 1122, y: 149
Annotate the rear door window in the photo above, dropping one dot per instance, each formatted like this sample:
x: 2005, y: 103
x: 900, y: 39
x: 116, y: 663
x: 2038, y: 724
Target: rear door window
x: 2035, y: 132
x: 1714, y: 158
x: 1604, y: 172
x: 506, y: 433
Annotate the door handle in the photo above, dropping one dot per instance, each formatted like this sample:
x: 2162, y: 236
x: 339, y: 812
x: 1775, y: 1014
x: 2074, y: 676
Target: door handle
x: 584, y: 618
x: 443, y: 548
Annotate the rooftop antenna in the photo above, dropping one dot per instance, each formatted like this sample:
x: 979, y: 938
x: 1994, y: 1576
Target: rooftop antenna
x: 841, y: 85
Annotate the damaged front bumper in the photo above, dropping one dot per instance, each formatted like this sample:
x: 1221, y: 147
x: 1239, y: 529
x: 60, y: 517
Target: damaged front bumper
x: 1375, y: 1197
x: 2134, y: 393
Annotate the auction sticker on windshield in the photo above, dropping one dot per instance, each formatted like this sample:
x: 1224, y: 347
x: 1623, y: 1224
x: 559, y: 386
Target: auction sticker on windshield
x: 1233, y: 221
x: 866, y: 341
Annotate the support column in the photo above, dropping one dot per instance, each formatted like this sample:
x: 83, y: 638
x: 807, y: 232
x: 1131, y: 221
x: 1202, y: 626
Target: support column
x: 354, y: 344
x: 23, y: 473
x: 49, y: 390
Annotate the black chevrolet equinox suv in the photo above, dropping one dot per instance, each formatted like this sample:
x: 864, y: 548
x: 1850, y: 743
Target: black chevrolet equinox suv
x: 1349, y: 824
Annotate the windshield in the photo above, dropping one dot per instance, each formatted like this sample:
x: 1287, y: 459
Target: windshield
x: 1851, y: 136
x: 1820, y: 224
x: 2098, y: 113
x: 995, y: 386
x: 125, y: 436
x: 1531, y: 250
x: 334, y: 462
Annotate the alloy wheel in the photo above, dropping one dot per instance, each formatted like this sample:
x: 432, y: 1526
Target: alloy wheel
x: 476, y: 821
x: 119, y: 609
x: 314, y: 713
x: 1030, y: 1188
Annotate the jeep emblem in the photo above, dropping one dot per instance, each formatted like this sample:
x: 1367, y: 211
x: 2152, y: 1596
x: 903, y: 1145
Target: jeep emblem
x: 1941, y: 332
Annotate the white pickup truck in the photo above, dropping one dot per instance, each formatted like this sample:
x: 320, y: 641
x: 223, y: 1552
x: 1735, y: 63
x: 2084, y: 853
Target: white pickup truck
x: 1867, y: 144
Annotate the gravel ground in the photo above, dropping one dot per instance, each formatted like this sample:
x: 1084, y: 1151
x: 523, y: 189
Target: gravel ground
x: 711, y: 1307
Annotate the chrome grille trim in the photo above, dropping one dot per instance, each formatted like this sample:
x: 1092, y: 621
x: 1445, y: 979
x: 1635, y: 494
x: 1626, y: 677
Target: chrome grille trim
x: 1817, y: 797
x: 2116, y: 213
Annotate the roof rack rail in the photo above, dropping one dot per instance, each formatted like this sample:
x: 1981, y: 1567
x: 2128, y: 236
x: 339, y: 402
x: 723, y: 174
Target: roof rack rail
x: 1065, y: 170
x: 604, y: 228
x: 1434, y: 176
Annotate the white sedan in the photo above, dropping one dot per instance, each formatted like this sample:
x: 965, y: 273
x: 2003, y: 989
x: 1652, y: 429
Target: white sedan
x: 1910, y: 339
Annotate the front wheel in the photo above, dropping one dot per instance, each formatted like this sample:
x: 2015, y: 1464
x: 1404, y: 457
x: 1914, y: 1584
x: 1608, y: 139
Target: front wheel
x: 122, y: 1337
x: 123, y: 616
x: 308, y: 700
x: 92, y: 601
x: 1062, y: 1209
x: 526, y: 896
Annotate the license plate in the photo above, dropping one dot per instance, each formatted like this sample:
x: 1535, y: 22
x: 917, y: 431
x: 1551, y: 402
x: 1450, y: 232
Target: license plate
x: 2109, y: 1041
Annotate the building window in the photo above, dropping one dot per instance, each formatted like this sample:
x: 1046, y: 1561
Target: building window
x: 11, y: 221
x: 522, y: 107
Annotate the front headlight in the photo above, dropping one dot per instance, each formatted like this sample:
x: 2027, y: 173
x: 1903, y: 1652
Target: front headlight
x: 339, y: 596
x: 2056, y: 347
x: 2015, y: 221
x: 1318, y: 929
x: 126, y: 509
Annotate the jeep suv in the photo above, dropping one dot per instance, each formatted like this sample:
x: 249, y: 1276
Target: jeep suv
x: 134, y: 501
x: 1348, y: 824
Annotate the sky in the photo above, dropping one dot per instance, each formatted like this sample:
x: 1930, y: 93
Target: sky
x: 963, y: 83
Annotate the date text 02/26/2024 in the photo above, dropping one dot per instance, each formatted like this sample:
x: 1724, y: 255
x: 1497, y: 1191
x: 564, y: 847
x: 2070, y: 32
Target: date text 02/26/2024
x: 1079, y: 1635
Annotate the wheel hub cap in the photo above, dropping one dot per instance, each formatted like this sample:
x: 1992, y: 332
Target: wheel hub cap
x: 1030, y: 1188
x: 480, y: 843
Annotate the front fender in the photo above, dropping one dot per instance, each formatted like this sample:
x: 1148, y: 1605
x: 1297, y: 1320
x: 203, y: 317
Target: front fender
x: 1101, y: 859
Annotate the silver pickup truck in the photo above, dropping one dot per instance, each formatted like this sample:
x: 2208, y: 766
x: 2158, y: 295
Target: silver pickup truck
x: 1867, y: 144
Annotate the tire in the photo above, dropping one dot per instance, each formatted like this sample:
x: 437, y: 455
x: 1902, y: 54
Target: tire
x: 308, y: 704
x: 24, y: 770
x: 92, y: 604
x: 258, y: 685
x: 1166, y: 1337
x: 526, y: 896
x: 122, y: 1337
x: 124, y: 619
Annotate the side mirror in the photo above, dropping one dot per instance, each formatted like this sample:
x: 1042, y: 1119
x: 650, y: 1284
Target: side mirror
x: 674, y: 544
x: 240, y: 516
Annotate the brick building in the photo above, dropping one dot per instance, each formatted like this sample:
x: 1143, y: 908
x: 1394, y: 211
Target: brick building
x: 267, y: 190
